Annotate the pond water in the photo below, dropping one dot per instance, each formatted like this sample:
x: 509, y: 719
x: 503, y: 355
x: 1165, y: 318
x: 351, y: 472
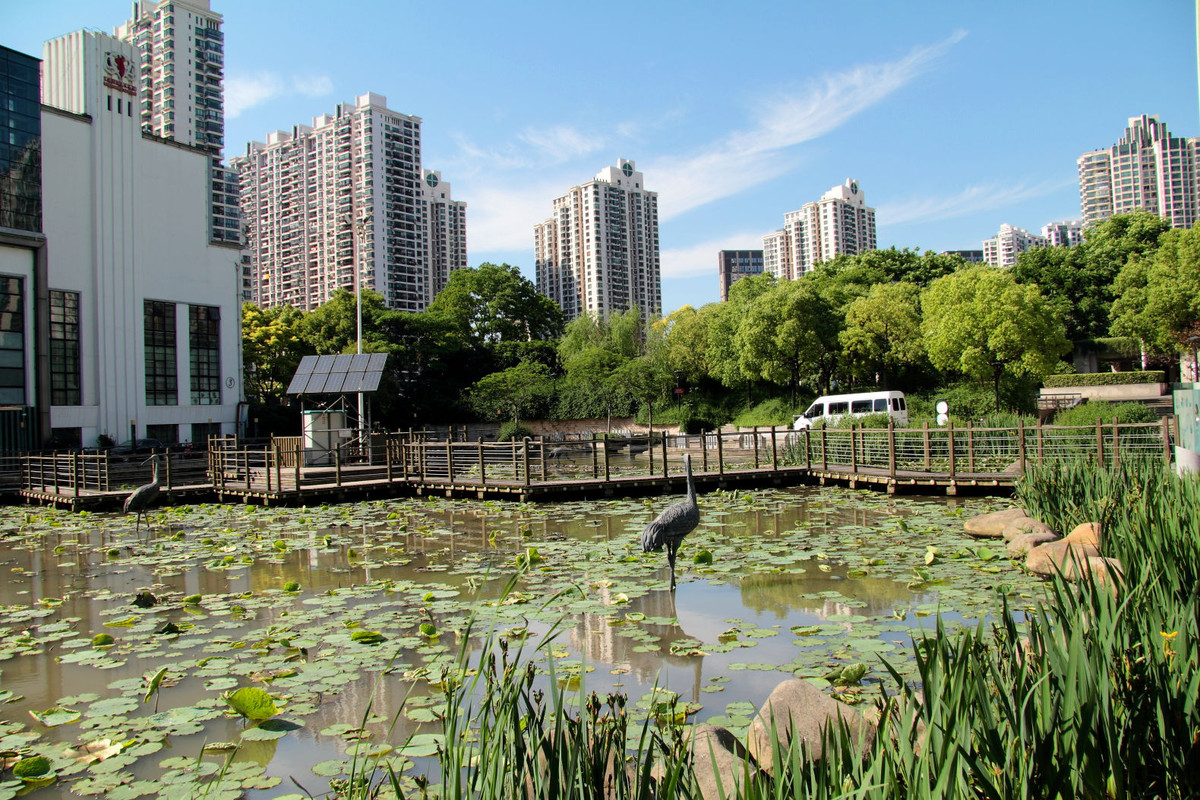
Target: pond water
x: 353, y: 613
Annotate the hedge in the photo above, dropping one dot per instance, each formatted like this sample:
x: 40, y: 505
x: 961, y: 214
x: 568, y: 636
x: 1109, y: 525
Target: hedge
x: 1104, y: 378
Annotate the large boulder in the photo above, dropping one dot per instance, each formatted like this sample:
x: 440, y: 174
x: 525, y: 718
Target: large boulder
x: 1023, y: 525
x: 991, y: 526
x: 1087, y: 533
x: 1060, y: 556
x: 1020, y: 545
x: 799, y: 710
x: 720, y: 763
x: 1106, y: 572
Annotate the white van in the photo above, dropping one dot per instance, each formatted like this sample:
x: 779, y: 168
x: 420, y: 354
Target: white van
x: 832, y: 407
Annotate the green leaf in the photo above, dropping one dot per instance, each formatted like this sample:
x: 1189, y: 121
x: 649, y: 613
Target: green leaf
x: 31, y: 767
x: 252, y: 703
x: 56, y: 715
x: 153, y: 682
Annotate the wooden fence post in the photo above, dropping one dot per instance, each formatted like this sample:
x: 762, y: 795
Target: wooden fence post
x: 891, y: 448
x: 950, y: 441
x: 278, y: 468
x: 267, y: 466
x: 774, y: 451
x: 525, y: 459
x: 808, y: 448
x: 853, y: 449
x: 337, y: 466
x: 703, y: 451
x: 542, y: 459
x: 482, y: 464
x: 824, y: 450
x: 755, y: 435
x: 664, y: 453
x: 970, y: 447
x: 720, y: 454
x: 1116, y: 448
x: 1164, y: 427
x: 926, y: 438
x: 449, y: 461
x: 1099, y: 443
x: 1040, y: 443
x: 75, y: 464
x: 1021, y: 445
x: 604, y: 447
x: 296, y: 465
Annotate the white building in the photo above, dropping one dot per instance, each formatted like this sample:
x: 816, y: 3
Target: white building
x: 1002, y: 249
x: 1147, y: 170
x: 352, y: 176
x: 840, y: 223
x: 599, y: 251
x: 1063, y: 234
x: 142, y: 302
x: 180, y: 51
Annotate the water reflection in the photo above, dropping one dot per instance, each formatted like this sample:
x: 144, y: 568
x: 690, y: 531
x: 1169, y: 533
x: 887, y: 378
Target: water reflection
x: 717, y: 625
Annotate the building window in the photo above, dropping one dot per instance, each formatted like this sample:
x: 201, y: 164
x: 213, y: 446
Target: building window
x: 167, y: 434
x: 162, y: 382
x: 204, y: 324
x: 12, y: 342
x: 64, y: 349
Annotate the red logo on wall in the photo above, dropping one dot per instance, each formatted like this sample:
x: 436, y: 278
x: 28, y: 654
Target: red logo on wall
x: 119, y: 73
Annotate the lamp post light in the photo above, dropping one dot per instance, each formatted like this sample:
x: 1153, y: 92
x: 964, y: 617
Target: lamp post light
x: 357, y: 230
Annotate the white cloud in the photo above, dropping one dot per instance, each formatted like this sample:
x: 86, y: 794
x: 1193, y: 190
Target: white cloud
x: 501, y: 217
x: 701, y: 259
x: 243, y: 92
x: 747, y: 158
x: 560, y: 143
x: 971, y: 200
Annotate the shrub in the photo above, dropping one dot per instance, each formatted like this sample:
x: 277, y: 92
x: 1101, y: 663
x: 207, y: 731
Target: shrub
x: 776, y: 411
x: 1088, y: 413
x: 1105, y: 378
x: 512, y: 430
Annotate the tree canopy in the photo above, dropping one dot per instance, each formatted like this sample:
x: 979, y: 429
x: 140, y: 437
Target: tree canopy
x: 495, y: 303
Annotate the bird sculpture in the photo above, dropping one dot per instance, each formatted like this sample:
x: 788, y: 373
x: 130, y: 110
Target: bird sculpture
x: 142, y: 497
x: 674, y: 523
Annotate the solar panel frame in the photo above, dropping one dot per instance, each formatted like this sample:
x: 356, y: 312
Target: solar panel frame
x: 338, y: 374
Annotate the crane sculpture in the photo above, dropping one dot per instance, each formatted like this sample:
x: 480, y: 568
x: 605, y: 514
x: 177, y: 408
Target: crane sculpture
x: 675, y: 522
x: 142, y: 497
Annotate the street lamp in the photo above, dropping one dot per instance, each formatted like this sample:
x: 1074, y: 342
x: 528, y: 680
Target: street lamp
x: 357, y: 230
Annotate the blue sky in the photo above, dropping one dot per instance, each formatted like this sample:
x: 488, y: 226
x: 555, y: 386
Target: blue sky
x: 954, y: 117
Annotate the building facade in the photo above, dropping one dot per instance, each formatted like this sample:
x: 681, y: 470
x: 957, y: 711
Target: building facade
x: 24, y: 345
x: 1148, y: 169
x: 179, y: 53
x: 733, y: 265
x: 599, y: 253
x: 348, y: 192
x: 144, y: 307
x: 969, y: 256
x: 840, y: 223
x: 1063, y: 234
x: 1002, y: 249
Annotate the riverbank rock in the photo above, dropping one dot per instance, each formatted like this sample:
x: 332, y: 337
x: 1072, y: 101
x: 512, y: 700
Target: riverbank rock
x: 1106, y: 571
x: 1020, y: 545
x: 720, y: 763
x: 1023, y: 525
x: 1087, y: 533
x: 799, y: 709
x: 991, y: 526
x: 1061, y: 556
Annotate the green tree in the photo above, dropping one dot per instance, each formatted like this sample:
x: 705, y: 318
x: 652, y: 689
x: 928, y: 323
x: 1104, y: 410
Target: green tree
x: 723, y: 360
x: 883, y: 331
x: 1158, y: 298
x: 594, y: 372
x: 493, y: 303
x: 982, y: 324
x: 787, y: 334
x: 1078, y: 281
x: 332, y: 327
x: 522, y: 391
x: 271, y: 350
x: 686, y: 340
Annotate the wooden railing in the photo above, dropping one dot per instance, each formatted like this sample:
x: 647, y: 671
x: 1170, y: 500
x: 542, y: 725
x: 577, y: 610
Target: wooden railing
x: 283, y: 466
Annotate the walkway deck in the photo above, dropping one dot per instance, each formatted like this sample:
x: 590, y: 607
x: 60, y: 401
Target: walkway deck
x: 950, y: 461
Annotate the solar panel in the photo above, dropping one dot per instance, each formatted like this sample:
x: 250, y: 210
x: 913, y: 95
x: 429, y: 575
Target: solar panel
x: 338, y: 374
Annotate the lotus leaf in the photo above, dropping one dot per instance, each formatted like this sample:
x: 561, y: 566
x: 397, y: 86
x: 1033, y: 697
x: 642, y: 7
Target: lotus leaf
x: 252, y: 703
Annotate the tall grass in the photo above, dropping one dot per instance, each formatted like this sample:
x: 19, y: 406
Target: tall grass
x: 1089, y: 692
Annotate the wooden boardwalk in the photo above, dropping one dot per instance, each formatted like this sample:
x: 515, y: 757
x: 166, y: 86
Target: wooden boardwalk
x: 925, y: 460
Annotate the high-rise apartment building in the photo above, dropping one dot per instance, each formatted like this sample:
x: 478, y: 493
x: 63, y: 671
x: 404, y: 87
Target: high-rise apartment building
x: 839, y: 223
x: 599, y: 251
x: 1002, y: 249
x: 1063, y: 234
x: 1147, y: 170
x: 348, y: 191
x: 180, y: 53
x: 733, y: 265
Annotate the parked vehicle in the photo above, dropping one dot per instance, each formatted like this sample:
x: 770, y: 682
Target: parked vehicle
x: 138, y: 448
x: 832, y: 407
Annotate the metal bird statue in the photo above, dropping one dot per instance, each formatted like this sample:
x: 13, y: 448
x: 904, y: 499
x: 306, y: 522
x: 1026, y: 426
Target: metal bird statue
x: 143, y: 496
x: 674, y: 523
